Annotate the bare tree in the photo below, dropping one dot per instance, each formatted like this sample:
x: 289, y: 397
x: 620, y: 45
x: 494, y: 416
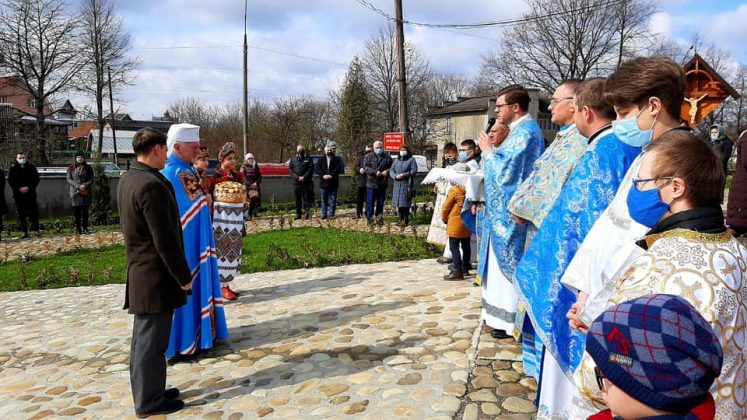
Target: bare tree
x: 40, y: 43
x: 562, y: 40
x: 379, y: 62
x: 192, y: 110
x: 106, y: 46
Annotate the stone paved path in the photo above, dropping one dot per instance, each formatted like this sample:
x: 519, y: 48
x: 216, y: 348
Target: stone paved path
x: 389, y: 340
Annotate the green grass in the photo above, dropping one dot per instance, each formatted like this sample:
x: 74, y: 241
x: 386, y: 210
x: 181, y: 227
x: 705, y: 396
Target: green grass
x: 267, y: 251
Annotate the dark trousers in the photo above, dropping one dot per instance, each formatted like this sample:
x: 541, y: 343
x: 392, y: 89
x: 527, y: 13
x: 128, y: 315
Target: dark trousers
x: 150, y: 340
x: 360, y: 200
x: 460, y: 261
x: 375, y: 196
x: 304, y: 198
x: 27, y: 208
x: 404, y: 214
x: 81, y: 218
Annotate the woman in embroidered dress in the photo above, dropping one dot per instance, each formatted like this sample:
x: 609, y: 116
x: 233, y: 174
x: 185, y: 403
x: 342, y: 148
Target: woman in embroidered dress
x: 688, y: 252
x: 228, y: 219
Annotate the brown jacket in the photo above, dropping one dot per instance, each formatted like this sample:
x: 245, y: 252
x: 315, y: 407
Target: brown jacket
x: 451, y: 211
x: 156, y: 265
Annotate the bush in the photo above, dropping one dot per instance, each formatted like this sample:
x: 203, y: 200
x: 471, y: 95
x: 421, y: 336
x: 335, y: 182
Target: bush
x: 101, y: 206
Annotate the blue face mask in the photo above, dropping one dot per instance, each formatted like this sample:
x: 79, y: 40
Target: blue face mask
x: 21, y: 161
x: 646, y: 207
x: 379, y: 151
x: 628, y: 132
x: 463, y: 156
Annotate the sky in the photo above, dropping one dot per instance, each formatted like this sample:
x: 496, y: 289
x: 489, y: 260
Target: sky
x: 303, y: 47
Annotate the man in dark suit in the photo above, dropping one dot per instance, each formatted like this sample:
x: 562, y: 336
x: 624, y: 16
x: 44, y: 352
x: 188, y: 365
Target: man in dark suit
x: 301, y: 169
x: 157, y: 272
x: 360, y: 176
x: 23, y: 179
x: 329, y: 168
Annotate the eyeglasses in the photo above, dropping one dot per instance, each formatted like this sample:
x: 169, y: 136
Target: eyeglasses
x: 499, y: 106
x: 638, y: 182
x: 554, y: 101
x: 600, y: 378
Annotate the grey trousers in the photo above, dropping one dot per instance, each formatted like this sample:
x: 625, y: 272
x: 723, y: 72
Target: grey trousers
x: 150, y: 340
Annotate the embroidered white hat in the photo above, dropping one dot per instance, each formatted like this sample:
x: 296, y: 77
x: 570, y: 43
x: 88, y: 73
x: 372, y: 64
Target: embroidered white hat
x: 182, y: 133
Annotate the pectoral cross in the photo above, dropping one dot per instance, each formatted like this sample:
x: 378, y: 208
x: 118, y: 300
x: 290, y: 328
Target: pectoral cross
x: 694, y: 107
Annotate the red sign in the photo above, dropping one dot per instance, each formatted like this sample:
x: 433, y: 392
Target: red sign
x: 393, y: 141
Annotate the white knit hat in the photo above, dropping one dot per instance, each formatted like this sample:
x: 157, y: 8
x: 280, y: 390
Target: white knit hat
x: 182, y: 133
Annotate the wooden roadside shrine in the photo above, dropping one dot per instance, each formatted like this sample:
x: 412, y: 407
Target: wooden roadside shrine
x: 705, y: 91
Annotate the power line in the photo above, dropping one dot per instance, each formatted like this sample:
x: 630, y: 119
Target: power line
x: 255, y: 47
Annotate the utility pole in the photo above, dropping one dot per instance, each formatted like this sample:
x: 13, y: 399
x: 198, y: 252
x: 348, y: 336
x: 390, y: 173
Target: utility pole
x: 111, y: 107
x: 246, y: 87
x: 401, y: 73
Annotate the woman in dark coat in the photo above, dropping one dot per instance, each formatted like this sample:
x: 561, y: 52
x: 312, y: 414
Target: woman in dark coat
x: 252, y: 181
x: 80, y: 179
x: 736, y: 213
x: 403, y: 173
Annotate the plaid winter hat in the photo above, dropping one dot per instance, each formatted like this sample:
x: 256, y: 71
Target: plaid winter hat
x: 658, y: 349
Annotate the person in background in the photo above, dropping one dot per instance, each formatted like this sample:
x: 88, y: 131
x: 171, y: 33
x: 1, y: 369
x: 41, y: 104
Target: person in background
x: 252, y: 182
x: 736, y: 210
x: 377, y: 166
x: 360, y: 182
x: 403, y: 173
x: 497, y: 135
x: 459, y: 235
x: 80, y: 179
x: 301, y: 168
x: 450, y: 157
x: 3, y: 204
x: 201, y: 163
x: 721, y: 144
x: 469, y: 154
x: 23, y: 179
x: 329, y: 169
x: 228, y: 220
x: 670, y: 358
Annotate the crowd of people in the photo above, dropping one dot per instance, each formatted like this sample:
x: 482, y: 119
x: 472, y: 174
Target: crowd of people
x: 620, y: 212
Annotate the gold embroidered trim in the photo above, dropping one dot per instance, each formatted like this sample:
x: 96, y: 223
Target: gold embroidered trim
x: 691, y: 235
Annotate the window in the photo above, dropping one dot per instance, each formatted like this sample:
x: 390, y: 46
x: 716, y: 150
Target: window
x: 32, y: 103
x: 448, y: 125
x: 2, y: 100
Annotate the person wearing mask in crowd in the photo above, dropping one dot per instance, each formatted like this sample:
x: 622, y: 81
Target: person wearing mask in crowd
x: 252, y: 181
x: 687, y: 251
x: 537, y: 194
x: 459, y: 235
x: 360, y: 182
x: 201, y: 163
x: 377, y: 166
x: 202, y: 321
x: 646, y: 94
x: 3, y: 204
x: 721, y: 144
x: 736, y: 210
x: 450, y: 157
x: 228, y: 218
x: 403, y: 173
x: 671, y: 356
x: 470, y: 154
x: 80, y: 180
x: 328, y: 167
x: 505, y: 169
x: 158, y: 275
x: 23, y: 179
x: 301, y: 168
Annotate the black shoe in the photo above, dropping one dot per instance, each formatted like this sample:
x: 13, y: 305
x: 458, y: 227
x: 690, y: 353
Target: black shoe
x: 178, y: 358
x: 297, y: 218
x: 454, y: 275
x: 444, y: 260
x: 499, y: 334
x: 25, y: 236
x: 166, y: 407
x: 171, y: 393
x: 466, y: 273
x: 369, y: 221
x: 474, y: 283
x: 324, y: 217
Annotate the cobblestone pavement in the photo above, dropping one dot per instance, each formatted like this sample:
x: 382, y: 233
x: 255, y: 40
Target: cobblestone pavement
x: 388, y: 340
x: 15, y: 249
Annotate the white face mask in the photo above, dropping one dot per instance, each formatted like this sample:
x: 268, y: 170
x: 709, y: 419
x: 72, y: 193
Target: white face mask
x: 402, y: 153
x: 714, y: 136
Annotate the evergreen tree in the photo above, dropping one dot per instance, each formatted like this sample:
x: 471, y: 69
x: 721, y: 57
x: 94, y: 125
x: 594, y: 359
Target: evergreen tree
x: 354, y: 119
x: 101, y: 206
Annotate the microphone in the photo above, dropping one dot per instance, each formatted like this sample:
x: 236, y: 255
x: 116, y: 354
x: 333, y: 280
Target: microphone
x: 491, y: 122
